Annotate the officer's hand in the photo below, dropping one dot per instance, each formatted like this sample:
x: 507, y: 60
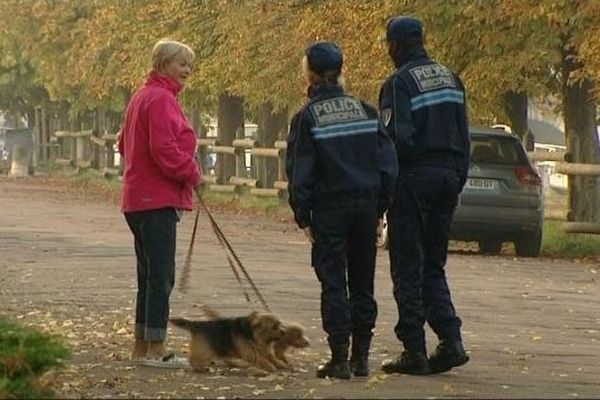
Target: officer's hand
x: 309, y: 234
x: 380, y: 227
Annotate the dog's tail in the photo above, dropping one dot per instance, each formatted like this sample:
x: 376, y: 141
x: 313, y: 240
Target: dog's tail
x: 185, y: 323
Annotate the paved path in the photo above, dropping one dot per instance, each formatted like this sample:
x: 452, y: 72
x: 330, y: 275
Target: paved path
x: 67, y: 265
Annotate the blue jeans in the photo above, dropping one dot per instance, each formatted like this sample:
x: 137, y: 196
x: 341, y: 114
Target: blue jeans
x: 154, y: 233
x: 419, y: 226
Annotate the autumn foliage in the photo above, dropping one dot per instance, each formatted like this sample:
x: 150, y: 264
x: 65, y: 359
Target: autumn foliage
x: 94, y: 53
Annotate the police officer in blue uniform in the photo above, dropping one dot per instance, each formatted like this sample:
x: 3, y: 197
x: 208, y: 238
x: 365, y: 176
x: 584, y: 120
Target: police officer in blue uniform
x: 423, y: 109
x: 342, y: 170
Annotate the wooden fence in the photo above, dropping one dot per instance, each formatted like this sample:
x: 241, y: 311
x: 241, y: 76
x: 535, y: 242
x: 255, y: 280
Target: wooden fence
x: 239, y: 182
x: 566, y: 167
x: 87, y: 149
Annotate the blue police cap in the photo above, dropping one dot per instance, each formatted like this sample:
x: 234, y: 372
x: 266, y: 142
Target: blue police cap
x: 324, y: 56
x: 402, y: 28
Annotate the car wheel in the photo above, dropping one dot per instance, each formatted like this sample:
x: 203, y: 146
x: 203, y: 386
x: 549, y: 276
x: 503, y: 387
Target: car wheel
x: 530, y: 245
x: 490, y: 246
x: 382, y: 240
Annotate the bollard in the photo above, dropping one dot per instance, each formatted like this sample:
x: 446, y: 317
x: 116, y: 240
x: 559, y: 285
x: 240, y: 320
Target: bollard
x: 19, y: 166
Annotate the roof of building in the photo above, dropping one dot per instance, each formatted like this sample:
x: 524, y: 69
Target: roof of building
x: 546, y: 133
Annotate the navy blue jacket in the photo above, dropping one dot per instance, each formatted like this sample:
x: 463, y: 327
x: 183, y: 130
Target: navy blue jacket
x: 423, y: 109
x: 338, y: 156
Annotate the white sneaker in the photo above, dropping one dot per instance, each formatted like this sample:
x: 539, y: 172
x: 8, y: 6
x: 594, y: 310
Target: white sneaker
x: 168, y: 361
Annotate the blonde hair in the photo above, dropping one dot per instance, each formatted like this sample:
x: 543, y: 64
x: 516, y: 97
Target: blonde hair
x: 329, y: 77
x: 166, y: 51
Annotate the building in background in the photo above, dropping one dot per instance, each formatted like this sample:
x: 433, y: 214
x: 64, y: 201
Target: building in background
x: 548, y: 129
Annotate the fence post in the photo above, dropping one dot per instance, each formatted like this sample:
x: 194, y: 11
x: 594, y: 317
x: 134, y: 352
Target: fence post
x: 73, y: 155
x: 19, y: 166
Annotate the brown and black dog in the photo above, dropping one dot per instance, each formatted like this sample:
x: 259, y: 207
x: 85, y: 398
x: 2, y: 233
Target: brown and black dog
x: 293, y: 337
x: 249, y: 338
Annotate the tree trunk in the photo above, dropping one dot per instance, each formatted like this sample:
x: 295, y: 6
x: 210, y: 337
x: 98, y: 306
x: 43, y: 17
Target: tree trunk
x: 271, y: 127
x: 17, y: 120
x: 230, y: 116
x: 515, y: 107
x: 201, y: 131
x: 37, y: 130
x: 31, y: 118
x: 99, y: 129
x: 582, y: 140
x: 44, y: 133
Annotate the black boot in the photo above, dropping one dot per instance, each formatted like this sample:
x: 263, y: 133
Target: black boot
x: 447, y: 355
x: 410, y: 363
x: 338, y: 366
x: 359, y: 361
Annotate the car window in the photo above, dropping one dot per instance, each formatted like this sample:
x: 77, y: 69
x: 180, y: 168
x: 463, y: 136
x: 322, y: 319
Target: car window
x: 496, y: 150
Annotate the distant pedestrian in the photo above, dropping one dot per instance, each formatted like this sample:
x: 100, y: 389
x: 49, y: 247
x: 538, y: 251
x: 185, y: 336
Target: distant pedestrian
x: 423, y: 108
x: 342, y: 170
x: 158, y: 146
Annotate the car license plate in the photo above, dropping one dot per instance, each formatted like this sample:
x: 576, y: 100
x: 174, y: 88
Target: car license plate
x: 482, y: 184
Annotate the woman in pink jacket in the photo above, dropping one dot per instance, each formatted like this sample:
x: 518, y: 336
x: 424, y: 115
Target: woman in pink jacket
x: 158, y: 146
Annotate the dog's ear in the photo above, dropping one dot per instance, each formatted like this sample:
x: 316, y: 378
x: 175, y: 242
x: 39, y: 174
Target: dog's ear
x: 254, y: 318
x: 295, y: 328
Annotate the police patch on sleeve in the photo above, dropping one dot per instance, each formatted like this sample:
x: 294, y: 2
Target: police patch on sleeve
x: 386, y: 116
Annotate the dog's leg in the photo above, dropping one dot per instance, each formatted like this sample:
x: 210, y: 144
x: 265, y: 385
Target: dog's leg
x: 280, y: 355
x: 265, y: 363
x: 284, y: 359
x: 275, y: 361
x: 235, y: 363
x: 200, y: 354
x: 255, y: 357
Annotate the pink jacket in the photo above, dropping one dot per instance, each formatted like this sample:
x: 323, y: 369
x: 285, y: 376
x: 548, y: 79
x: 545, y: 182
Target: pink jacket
x: 159, y: 147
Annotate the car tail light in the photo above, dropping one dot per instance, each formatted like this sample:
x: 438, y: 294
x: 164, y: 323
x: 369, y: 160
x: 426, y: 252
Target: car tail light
x: 528, y: 176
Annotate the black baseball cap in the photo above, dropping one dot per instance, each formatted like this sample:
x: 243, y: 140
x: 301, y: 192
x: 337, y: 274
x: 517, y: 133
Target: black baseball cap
x: 403, y: 28
x: 324, y: 56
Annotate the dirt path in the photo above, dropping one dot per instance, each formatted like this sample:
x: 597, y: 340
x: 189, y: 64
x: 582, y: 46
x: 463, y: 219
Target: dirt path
x: 67, y: 265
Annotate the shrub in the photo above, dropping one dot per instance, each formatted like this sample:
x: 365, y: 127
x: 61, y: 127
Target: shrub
x: 25, y: 354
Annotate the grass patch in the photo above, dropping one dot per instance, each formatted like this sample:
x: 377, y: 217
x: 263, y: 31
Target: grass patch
x: 556, y: 242
x: 249, y: 205
x: 95, y: 180
x: 25, y: 355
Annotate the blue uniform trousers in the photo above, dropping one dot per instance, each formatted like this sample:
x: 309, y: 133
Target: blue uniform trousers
x: 344, y: 261
x: 419, y: 224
